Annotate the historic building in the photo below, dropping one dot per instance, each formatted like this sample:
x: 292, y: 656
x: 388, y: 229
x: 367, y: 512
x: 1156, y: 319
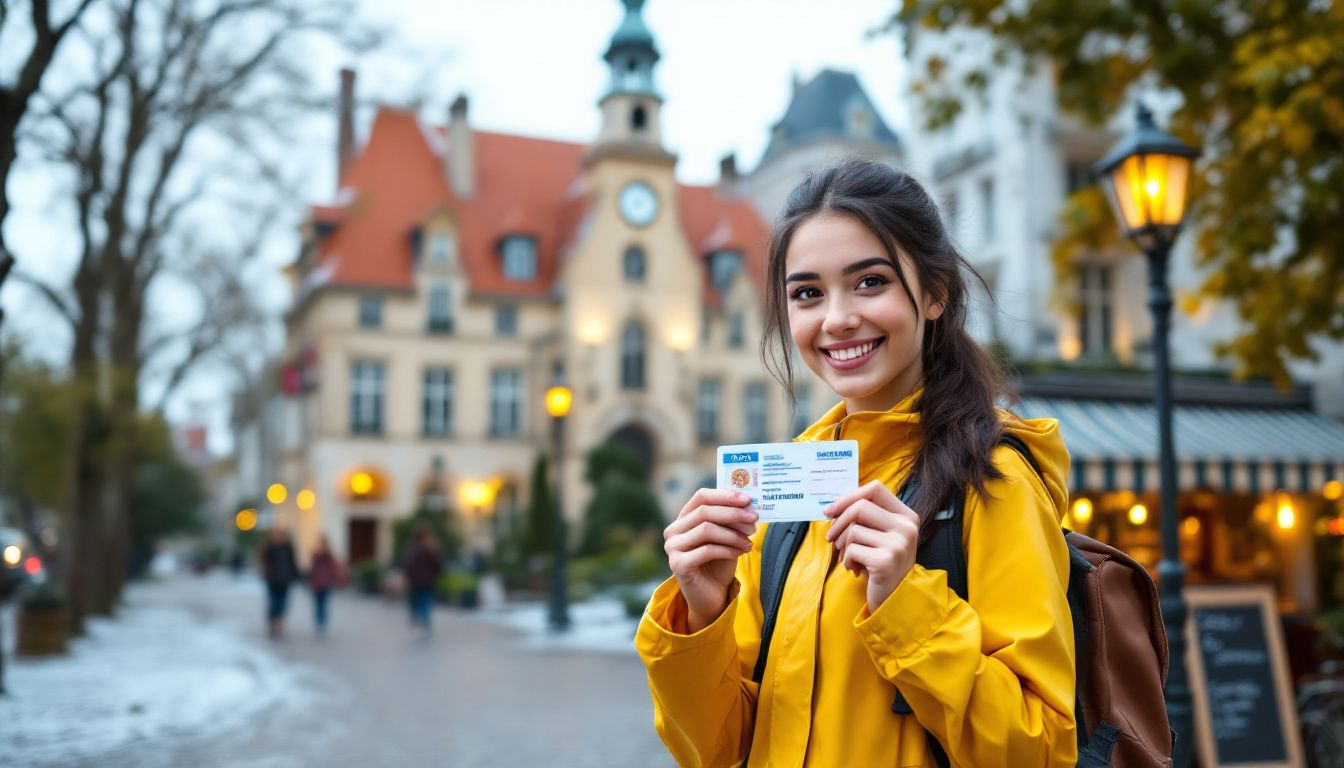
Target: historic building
x: 457, y: 271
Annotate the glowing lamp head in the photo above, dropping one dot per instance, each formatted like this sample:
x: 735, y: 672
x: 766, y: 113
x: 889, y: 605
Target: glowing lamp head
x: 1145, y: 177
x: 13, y: 555
x: 559, y: 398
x: 1333, y: 490
x: 306, y: 499
x: 361, y: 483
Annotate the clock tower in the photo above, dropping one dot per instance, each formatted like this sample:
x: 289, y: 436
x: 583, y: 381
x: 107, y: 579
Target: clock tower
x: 631, y: 120
x: 632, y: 281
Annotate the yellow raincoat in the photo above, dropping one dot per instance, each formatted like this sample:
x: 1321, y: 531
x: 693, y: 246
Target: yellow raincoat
x: 993, y: 679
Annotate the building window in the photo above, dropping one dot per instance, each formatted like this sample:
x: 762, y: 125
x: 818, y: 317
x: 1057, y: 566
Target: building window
x: 802, y: 409
x: 723, y: 267
x: 506, y: 402
x: 737, y: 333
x: 370, y: 311
x: 1095, y: 317
x: 634, y: 264
x: 366, y: 398
x: 1077, y: 174
x: 705, y: 319
x: 754, y: 409
x: 506, y: 320
x: 987, y: 207
x: 440, y: 250
x: 951, y: 215
x: 440, y: 309
x: 520, y: 257
x: 437, y: 411
x: 707, y: 411
x: 639, y: 119
x: 632, y: 356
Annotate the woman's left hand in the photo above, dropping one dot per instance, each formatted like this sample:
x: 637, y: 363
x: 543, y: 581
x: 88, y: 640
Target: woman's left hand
x: 876, y: 534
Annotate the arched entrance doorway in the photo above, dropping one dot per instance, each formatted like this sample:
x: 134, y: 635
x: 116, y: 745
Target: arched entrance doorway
x: 639, y: 442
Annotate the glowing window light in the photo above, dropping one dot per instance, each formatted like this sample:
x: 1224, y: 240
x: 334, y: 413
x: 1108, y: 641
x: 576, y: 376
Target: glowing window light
x: 1138, y: 514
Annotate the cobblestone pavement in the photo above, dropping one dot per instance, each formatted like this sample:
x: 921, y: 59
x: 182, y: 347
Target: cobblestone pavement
x: 476, y: 693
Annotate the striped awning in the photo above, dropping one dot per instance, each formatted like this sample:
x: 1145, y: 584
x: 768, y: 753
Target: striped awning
x: 1113, y: 446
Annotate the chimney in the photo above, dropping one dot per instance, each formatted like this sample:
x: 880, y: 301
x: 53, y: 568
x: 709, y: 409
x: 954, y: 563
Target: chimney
x: 728, y: 169
x: 461, y: 150
x: 345, y: 141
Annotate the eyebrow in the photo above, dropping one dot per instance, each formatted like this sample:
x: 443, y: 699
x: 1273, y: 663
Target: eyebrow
x: 858, y: 266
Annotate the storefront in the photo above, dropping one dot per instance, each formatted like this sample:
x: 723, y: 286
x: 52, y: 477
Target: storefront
x: 1259, y: 491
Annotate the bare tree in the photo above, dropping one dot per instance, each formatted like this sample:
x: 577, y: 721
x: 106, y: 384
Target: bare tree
x: 187, y: 111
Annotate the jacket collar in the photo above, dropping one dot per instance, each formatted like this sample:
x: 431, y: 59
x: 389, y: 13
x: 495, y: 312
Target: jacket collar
x: 882, y: 435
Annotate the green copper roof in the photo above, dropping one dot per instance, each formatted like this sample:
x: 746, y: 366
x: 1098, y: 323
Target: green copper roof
x: 632, y: 33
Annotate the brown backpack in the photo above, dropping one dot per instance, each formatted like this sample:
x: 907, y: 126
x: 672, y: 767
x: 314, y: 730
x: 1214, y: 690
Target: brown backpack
x: 1119, y: 641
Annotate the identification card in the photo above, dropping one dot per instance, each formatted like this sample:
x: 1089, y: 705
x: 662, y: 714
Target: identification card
x: 790, y: 481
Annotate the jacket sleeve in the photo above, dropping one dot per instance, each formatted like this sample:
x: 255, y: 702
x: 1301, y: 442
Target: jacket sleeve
x: 992, y: 679
x: 704, y: 700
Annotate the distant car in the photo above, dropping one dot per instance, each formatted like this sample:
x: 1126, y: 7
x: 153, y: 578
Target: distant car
x: 20, y: 564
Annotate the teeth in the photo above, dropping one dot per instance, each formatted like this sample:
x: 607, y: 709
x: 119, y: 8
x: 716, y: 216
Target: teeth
x: 852, y: 352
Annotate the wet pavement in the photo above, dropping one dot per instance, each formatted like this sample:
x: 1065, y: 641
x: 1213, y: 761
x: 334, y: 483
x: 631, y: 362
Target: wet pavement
x: 187, y: 676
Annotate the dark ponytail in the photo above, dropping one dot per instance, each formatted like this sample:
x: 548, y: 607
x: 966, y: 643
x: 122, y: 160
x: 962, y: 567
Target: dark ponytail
x: 962, y: 383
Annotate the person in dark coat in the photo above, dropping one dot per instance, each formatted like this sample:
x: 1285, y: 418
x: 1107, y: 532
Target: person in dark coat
x: 279, y: 569
x: 324, y: 574
x: 422, y: 566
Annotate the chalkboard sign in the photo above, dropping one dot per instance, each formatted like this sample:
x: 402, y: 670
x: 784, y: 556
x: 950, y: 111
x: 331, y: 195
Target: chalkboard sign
x: 1244, y: 712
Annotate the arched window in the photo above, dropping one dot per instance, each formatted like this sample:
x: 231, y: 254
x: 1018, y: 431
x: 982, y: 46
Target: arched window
x: 634, y: 264
x: 632, y: 356
x: 639, y: 119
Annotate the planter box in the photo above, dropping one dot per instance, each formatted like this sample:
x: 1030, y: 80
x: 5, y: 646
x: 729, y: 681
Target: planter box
x: 43, y: 633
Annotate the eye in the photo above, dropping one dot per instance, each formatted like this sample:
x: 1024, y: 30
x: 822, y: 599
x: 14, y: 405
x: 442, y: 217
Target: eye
x: 805, y: 293
x: 872, y: 281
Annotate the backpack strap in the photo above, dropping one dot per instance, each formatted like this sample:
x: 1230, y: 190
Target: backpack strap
x: 782, y: 541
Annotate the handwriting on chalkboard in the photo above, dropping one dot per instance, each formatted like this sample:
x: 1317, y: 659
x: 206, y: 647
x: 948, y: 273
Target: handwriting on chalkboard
x: 1240, y: 690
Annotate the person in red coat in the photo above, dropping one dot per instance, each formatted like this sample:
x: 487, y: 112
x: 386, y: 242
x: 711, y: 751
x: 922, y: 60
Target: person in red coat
x: 324, y: 574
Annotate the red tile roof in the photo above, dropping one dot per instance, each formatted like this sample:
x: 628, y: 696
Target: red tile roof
x: 524, y: 185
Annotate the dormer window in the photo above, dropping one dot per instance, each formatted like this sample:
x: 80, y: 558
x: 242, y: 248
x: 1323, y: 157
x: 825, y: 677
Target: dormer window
x: 519, y: 255
x: 639, y: 119
x: 723, y: 267
x: 440, y: 250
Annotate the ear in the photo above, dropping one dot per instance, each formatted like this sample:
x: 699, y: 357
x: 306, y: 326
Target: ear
x: 933, y: 307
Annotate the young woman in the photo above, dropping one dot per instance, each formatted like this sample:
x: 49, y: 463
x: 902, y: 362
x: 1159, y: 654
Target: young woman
x: 866, y: 283
x: 324, y: 574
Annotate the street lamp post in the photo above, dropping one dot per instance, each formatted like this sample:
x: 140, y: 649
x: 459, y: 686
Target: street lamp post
x: 559, y: 398
x: 1146, y: 176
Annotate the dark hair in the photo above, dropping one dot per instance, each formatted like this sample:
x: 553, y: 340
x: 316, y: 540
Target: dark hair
x: 962, y: 383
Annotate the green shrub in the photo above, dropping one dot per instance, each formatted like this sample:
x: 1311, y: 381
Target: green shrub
x: 367, y: 576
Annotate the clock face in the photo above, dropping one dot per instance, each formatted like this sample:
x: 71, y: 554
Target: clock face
x: 638, y: 203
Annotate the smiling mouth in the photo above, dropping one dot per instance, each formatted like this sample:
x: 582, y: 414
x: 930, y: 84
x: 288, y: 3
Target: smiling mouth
x: 855, y: 352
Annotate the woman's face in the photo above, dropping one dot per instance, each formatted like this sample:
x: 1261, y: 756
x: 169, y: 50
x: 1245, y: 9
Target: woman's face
x: 850, y: 318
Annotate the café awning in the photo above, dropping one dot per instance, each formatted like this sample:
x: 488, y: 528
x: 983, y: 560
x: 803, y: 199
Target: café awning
x: 1113, y: 446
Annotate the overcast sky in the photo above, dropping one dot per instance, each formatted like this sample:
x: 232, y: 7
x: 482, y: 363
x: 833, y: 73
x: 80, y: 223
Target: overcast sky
x: 531, y: 67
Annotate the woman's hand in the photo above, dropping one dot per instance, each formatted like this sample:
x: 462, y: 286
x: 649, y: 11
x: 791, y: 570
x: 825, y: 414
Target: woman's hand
x: 702, y: 547
x: 876, y: 534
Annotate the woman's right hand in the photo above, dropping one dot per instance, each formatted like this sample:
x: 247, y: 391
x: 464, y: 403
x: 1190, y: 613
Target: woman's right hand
x: 702, y: 547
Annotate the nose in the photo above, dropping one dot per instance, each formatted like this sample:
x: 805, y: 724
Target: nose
x: 841, y: 318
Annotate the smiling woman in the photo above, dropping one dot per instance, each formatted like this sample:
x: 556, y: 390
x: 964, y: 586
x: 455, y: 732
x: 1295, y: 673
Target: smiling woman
x: 874, y: 658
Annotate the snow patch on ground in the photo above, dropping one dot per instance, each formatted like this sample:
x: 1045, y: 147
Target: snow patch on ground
x: 153, y: 673
x: 595, y: 625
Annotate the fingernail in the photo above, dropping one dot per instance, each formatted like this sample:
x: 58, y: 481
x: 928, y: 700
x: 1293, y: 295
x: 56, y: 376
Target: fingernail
x: 741, y: 496
x: 752, y: 517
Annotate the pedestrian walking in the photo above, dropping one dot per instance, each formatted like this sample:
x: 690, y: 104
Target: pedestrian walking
x: 324, y: 574
x: 279, y: 569
x: 873, y: 659
x: 421, y: 565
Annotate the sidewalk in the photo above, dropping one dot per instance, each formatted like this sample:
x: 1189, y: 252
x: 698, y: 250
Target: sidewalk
x: 185, y: 676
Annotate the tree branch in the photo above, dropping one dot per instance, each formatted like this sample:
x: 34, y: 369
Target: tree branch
x: 53, y: 297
